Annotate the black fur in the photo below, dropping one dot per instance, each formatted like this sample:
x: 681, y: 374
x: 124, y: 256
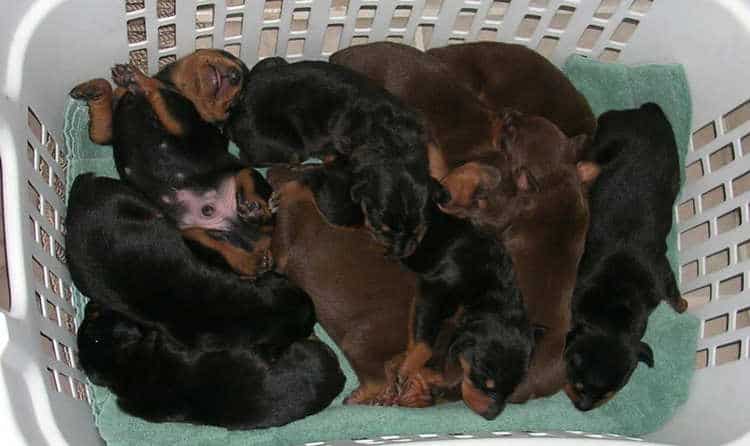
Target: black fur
x: 624, y: 272
x: 289, y: 112
x: 123, y: 253
x: 159, y: 379
x: 459, y: 266
x: 156, y: 162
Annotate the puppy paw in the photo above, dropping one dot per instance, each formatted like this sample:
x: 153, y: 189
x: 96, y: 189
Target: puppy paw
x: 274, y: 201
x: 416, y: 392
x: 123, y: 75
x: 91, y: 90
x: 252, y: 211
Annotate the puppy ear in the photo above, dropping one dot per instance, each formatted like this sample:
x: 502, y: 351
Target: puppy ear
x: 526, y: 181
x: 587, y: 171
x: 460, y: 345
x: 645, y: 354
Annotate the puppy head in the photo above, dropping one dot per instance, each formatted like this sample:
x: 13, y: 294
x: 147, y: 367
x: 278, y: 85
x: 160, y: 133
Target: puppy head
x: 599, y: 365
x: 536, y: 144
x: 397, y: 204
x: 494, y: 359
x: 211, y: 79
x: 483, y: 192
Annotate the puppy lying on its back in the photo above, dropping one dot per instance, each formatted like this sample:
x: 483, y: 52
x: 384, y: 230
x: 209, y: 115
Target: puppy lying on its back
x: 123, y: 252
x: 288, y: 112
x: 624, y: 272
x: 535, y: 203
x: 157, y: 378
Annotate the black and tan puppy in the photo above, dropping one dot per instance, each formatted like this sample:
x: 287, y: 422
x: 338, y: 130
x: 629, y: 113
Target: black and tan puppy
x: 289, y: 112
x: 506, y: 75
x: 624, y: 272
x: 157, y: 378
x: 164, y: 149
x: 464, y: 270
x: 124, y: 253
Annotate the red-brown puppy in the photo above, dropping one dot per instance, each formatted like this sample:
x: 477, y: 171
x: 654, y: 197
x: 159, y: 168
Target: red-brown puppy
x: 461, y: 125
x: 512, y: 76
x: 541, y: 213
x: 361, y: 298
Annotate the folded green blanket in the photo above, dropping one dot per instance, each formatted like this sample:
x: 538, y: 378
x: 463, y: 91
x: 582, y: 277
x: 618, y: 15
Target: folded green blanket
x: 643, y: 406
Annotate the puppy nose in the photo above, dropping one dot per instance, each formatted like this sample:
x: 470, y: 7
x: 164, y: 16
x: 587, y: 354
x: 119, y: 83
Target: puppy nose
x: 584, y: 404
x: 235, y: 76
x: 492, y: 411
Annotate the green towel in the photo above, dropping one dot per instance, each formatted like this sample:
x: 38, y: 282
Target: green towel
x: 641, y: 407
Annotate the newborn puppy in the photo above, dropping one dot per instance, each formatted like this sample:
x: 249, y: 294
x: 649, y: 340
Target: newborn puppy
x: 164, y: 148
x: 535, y: 203
x: 361, y: 298
x: 506, y: 75
x: 290, y: 112
x: 462, y: 270
x: 159, y: 379
x: 123, y: 253
x: 461, y: 126
x: 624, y: 272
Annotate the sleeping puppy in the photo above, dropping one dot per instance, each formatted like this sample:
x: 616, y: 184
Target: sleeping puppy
x: 164, y: 148
x: 159, y: 379
x: 462, y: 270
x: 124, y: 253
x: 289, y: 112
x: 461, y: 126
x: 361, y: 298
x: 535, y: 203
x: 624, y: 272
x: 506, y: 75
x: 159, y: 140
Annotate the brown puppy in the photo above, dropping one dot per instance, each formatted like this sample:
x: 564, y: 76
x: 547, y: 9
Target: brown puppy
x: 512, y: 76
x: 463, y: 128
x: 361, y: 298
x: 541, y: 213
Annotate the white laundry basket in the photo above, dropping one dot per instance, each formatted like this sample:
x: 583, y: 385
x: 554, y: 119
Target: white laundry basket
x: 47, y: 46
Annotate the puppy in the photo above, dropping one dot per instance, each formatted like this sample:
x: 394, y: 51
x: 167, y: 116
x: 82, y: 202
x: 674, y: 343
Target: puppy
x: 361, y: 298
x: 288, y: 112
x: 159, y: 379
x: 123, y: 252
x: 463, y: 269
x: 624, y: 272
x: 513, y: 76
x: 164, y: 148
x: 460, y: 125
x: 535, y: 202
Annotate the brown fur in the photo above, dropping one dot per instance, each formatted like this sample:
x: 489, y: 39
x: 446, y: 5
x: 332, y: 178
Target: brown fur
x: 462, y: 126
x: 195, y: 75
x: 542, y: 217
x: 361, y: 298
x: 512, y: 76
x: 98, y: 94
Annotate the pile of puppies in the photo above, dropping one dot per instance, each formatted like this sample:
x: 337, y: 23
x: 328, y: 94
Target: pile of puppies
x: 473, y: 233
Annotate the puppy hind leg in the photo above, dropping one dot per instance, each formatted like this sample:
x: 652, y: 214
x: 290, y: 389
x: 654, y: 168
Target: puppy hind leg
x: 98, y: 94
x: 672, y: 293
x: 130, y: 77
